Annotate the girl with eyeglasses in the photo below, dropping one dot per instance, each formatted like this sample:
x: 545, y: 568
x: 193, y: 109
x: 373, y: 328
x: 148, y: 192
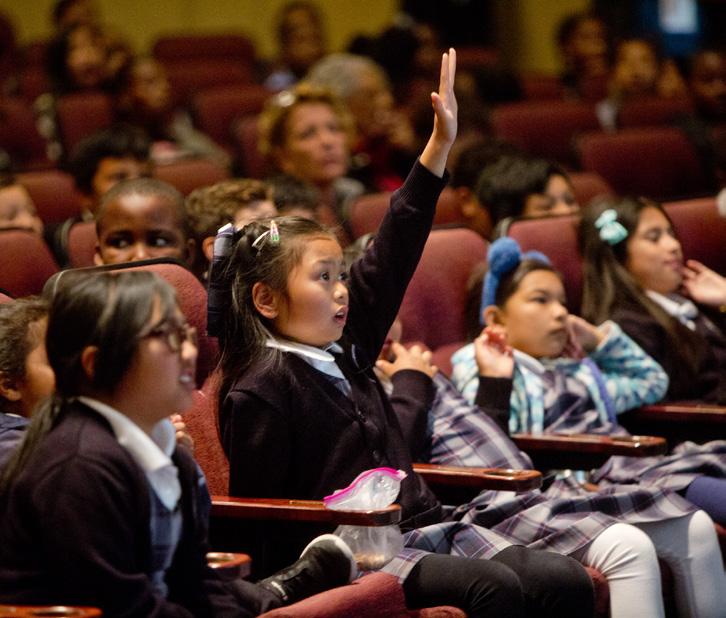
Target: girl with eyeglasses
x: 99, y: 505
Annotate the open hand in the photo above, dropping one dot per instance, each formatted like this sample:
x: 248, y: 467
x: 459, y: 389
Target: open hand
x: 445, y: 107
x: 444, y: 101
x: 704, y: 285
x: 493, y: 356
x: 415, y: 359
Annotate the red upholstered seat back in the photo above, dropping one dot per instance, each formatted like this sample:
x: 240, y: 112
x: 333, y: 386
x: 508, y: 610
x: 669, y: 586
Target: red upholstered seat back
x: 659, y: 163
x: 368, y: 211
x: 82, y: 114
x: 26, y: 262
x: 189, y: 174
x: 556, y: 237
x: 653, y: 111
x: 544, y: 128
x: 82, y: 242
x: 246, y: 137
x: 201, y: 421
x: 701, y: 230
x: 216, y: 109
x: 19, y: 135
x: 53, y: 193
x: 433, y: 308
x: 589, y: 185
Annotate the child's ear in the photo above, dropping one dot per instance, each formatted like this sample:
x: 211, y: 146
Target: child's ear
x: 208, y: 247
x: 9, y: 389
x: 493, y: 316
x: 266, y: 301
x: 88, y: 361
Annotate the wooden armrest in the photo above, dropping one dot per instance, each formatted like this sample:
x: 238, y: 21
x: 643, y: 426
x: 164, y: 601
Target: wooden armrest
x: 678, y: 421
x: 681, y: 412
x: 57, y: 611
x: 632, y: 446
x: 230, y: 564
x: 585, y: 451
x: 300, y: 510
x: 504, y: 479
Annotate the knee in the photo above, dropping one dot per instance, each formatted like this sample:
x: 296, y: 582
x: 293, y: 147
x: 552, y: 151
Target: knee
x: 568, y: 586
x: 701, y: 532
x: 622, y: 550
x: 554, y: 585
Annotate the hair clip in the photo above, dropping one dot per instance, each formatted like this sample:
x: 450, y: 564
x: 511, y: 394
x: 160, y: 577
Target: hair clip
x: 285, y: 98
x: 610, y: 229
x: 273, y: 234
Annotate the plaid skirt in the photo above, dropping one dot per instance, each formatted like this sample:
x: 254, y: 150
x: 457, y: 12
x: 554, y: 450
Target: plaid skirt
x: 563, y: 519
x: 675, y: 471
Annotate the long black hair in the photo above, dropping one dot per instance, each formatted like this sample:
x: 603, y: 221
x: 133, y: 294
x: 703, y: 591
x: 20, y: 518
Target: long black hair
x: 607, y: 283
x: 108, y: 310
x: 256, y: 258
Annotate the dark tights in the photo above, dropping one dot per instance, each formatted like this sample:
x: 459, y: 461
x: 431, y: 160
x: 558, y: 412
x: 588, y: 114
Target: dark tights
x: 516, y: 582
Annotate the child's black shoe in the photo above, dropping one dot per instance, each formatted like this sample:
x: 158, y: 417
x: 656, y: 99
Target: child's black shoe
x: 325, y: 563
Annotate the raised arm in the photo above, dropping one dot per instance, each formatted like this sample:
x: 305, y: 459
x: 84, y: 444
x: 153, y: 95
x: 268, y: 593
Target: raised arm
x: 379, y: 279
x: 445, y: 107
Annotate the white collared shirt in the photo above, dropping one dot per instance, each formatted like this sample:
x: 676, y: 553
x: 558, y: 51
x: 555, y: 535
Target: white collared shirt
x: 677, y: 306
x: 318, y: 358
x: 151, y: 452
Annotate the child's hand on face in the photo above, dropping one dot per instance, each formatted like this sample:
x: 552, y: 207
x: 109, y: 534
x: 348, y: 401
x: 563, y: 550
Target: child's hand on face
x: 703, y: 284
x: 415, y: 359
x: 493, y: 355
x: 182, y: 436
x: 582, y: 337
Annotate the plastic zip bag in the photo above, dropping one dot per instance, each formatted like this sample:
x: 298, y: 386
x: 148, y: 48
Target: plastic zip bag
x: 372, y: 546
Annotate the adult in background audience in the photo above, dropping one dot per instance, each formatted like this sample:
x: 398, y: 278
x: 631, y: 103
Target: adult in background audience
x: 306, y: 132
x: 706, y: 126
x: 144, y: 100
x: 79, y: 59
x: 301, y: 42
x: 639, y: 71
x: 583, y: 44
x: 385, y: 145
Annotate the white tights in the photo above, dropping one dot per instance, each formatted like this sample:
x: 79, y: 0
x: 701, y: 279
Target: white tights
x: 627, y: 556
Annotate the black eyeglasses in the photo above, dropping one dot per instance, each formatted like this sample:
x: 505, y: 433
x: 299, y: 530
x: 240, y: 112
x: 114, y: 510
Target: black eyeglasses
x: 174, y: 334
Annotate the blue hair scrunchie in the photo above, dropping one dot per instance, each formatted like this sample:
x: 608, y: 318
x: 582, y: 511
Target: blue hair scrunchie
x: 218, y: 290
x: 504, y: 256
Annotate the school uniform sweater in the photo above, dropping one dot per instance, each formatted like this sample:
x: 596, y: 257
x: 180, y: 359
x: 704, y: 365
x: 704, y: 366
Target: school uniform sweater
x: 708, y: 381
x: 289, y: 432
x: 76, y: 530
